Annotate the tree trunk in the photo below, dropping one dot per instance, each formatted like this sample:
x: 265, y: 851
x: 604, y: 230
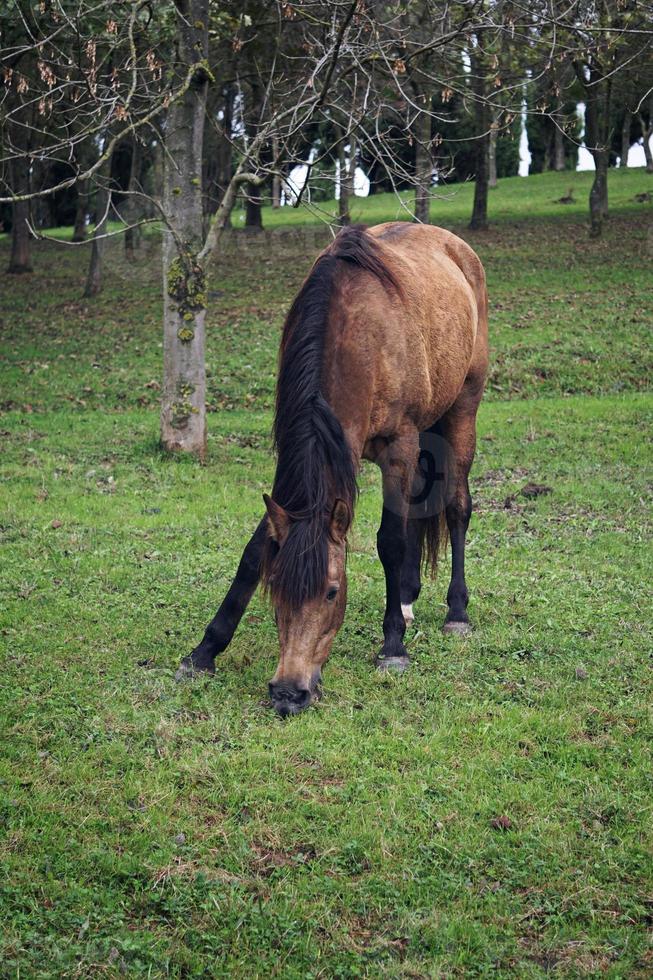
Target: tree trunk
x: 43, y: 210
x: 597, y: 138
x: 343, y: 187
x: 558, y: 148
x: 276, y: 192
x: 346, y: 177
x: 79, y: 230
x: 102, y: 204
x: 183, y: 408
x: 423, y: 166
x: 647, y: 132
x: 156, y: 179
x: 482, y: 142
x: 253, y: 199
x: 132, y: 210
x: 350, y: 175
x: 479, y: 212
x: 20, y: 260
x: 253, y: 204
x: 492, y: 154
x: 276, y: 179
x: 599, y: 193
x: 547, y: 163
x: 648, y: 156
x: 625, y: 138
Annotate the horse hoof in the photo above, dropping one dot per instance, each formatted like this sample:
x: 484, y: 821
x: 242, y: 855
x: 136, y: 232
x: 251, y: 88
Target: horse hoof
x: 409, y: 615
x: 398, y: 665
x: 457, y: 629
x: 187, y: 670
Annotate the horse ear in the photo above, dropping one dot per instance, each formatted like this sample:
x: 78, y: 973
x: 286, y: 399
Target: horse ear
x: 278, y: 520
x: 340, y: 520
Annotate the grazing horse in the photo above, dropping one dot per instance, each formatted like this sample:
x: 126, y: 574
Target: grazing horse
x: 383, y: 357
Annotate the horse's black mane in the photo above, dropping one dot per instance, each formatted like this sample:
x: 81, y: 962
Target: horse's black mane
x: 315, y: 464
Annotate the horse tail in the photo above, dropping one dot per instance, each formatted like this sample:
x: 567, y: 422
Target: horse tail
x: 435, y: 532
x: 434, y: 542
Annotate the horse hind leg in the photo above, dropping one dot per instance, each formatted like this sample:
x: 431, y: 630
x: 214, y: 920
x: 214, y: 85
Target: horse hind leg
x: 426, y: 530
x: 458, y: 428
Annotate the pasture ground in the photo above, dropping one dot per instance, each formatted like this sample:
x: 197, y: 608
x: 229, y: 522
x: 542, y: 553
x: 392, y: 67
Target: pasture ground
x: 489, y: 813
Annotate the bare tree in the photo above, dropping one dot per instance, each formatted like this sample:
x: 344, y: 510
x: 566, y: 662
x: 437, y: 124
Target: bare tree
x: 605, y: 43
x: 283, y: 74
x: 81, y: 208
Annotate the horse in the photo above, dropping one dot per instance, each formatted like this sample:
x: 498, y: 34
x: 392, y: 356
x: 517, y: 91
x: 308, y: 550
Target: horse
x: 384, y: 356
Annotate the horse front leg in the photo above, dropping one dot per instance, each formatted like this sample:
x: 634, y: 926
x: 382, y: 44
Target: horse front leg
x: 398, y: 467
x: 222, y: 627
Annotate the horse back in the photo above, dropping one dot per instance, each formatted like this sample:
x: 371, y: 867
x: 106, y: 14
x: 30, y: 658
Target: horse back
x: 407, y: 352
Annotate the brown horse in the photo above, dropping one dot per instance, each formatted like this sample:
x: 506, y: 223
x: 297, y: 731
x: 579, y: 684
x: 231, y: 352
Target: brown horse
x: 383, y: 357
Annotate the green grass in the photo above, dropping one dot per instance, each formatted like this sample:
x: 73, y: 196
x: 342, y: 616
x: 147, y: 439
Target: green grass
x: 513, y: 199
x: 569, y: 316
x: 151, y: 829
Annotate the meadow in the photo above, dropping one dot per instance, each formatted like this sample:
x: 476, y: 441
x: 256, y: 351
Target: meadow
x: 486, y: 814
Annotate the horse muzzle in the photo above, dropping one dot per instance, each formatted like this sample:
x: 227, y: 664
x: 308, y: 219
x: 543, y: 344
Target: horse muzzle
x: 289, y: 699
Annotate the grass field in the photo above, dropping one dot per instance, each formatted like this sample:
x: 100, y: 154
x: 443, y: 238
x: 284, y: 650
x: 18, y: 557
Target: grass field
x: 488, y: 813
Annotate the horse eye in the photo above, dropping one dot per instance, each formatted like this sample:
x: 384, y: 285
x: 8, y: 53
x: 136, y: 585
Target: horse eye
x: 331, y: 594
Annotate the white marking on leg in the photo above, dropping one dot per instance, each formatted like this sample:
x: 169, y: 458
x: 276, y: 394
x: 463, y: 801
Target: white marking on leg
x: 409, y: 615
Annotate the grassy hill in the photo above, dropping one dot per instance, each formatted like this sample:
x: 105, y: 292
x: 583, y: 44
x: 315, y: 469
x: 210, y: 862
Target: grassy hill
x: 513, y: 199
x: 489, y: 813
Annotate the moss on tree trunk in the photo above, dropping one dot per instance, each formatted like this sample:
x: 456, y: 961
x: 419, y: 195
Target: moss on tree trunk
x: 183, y: 402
